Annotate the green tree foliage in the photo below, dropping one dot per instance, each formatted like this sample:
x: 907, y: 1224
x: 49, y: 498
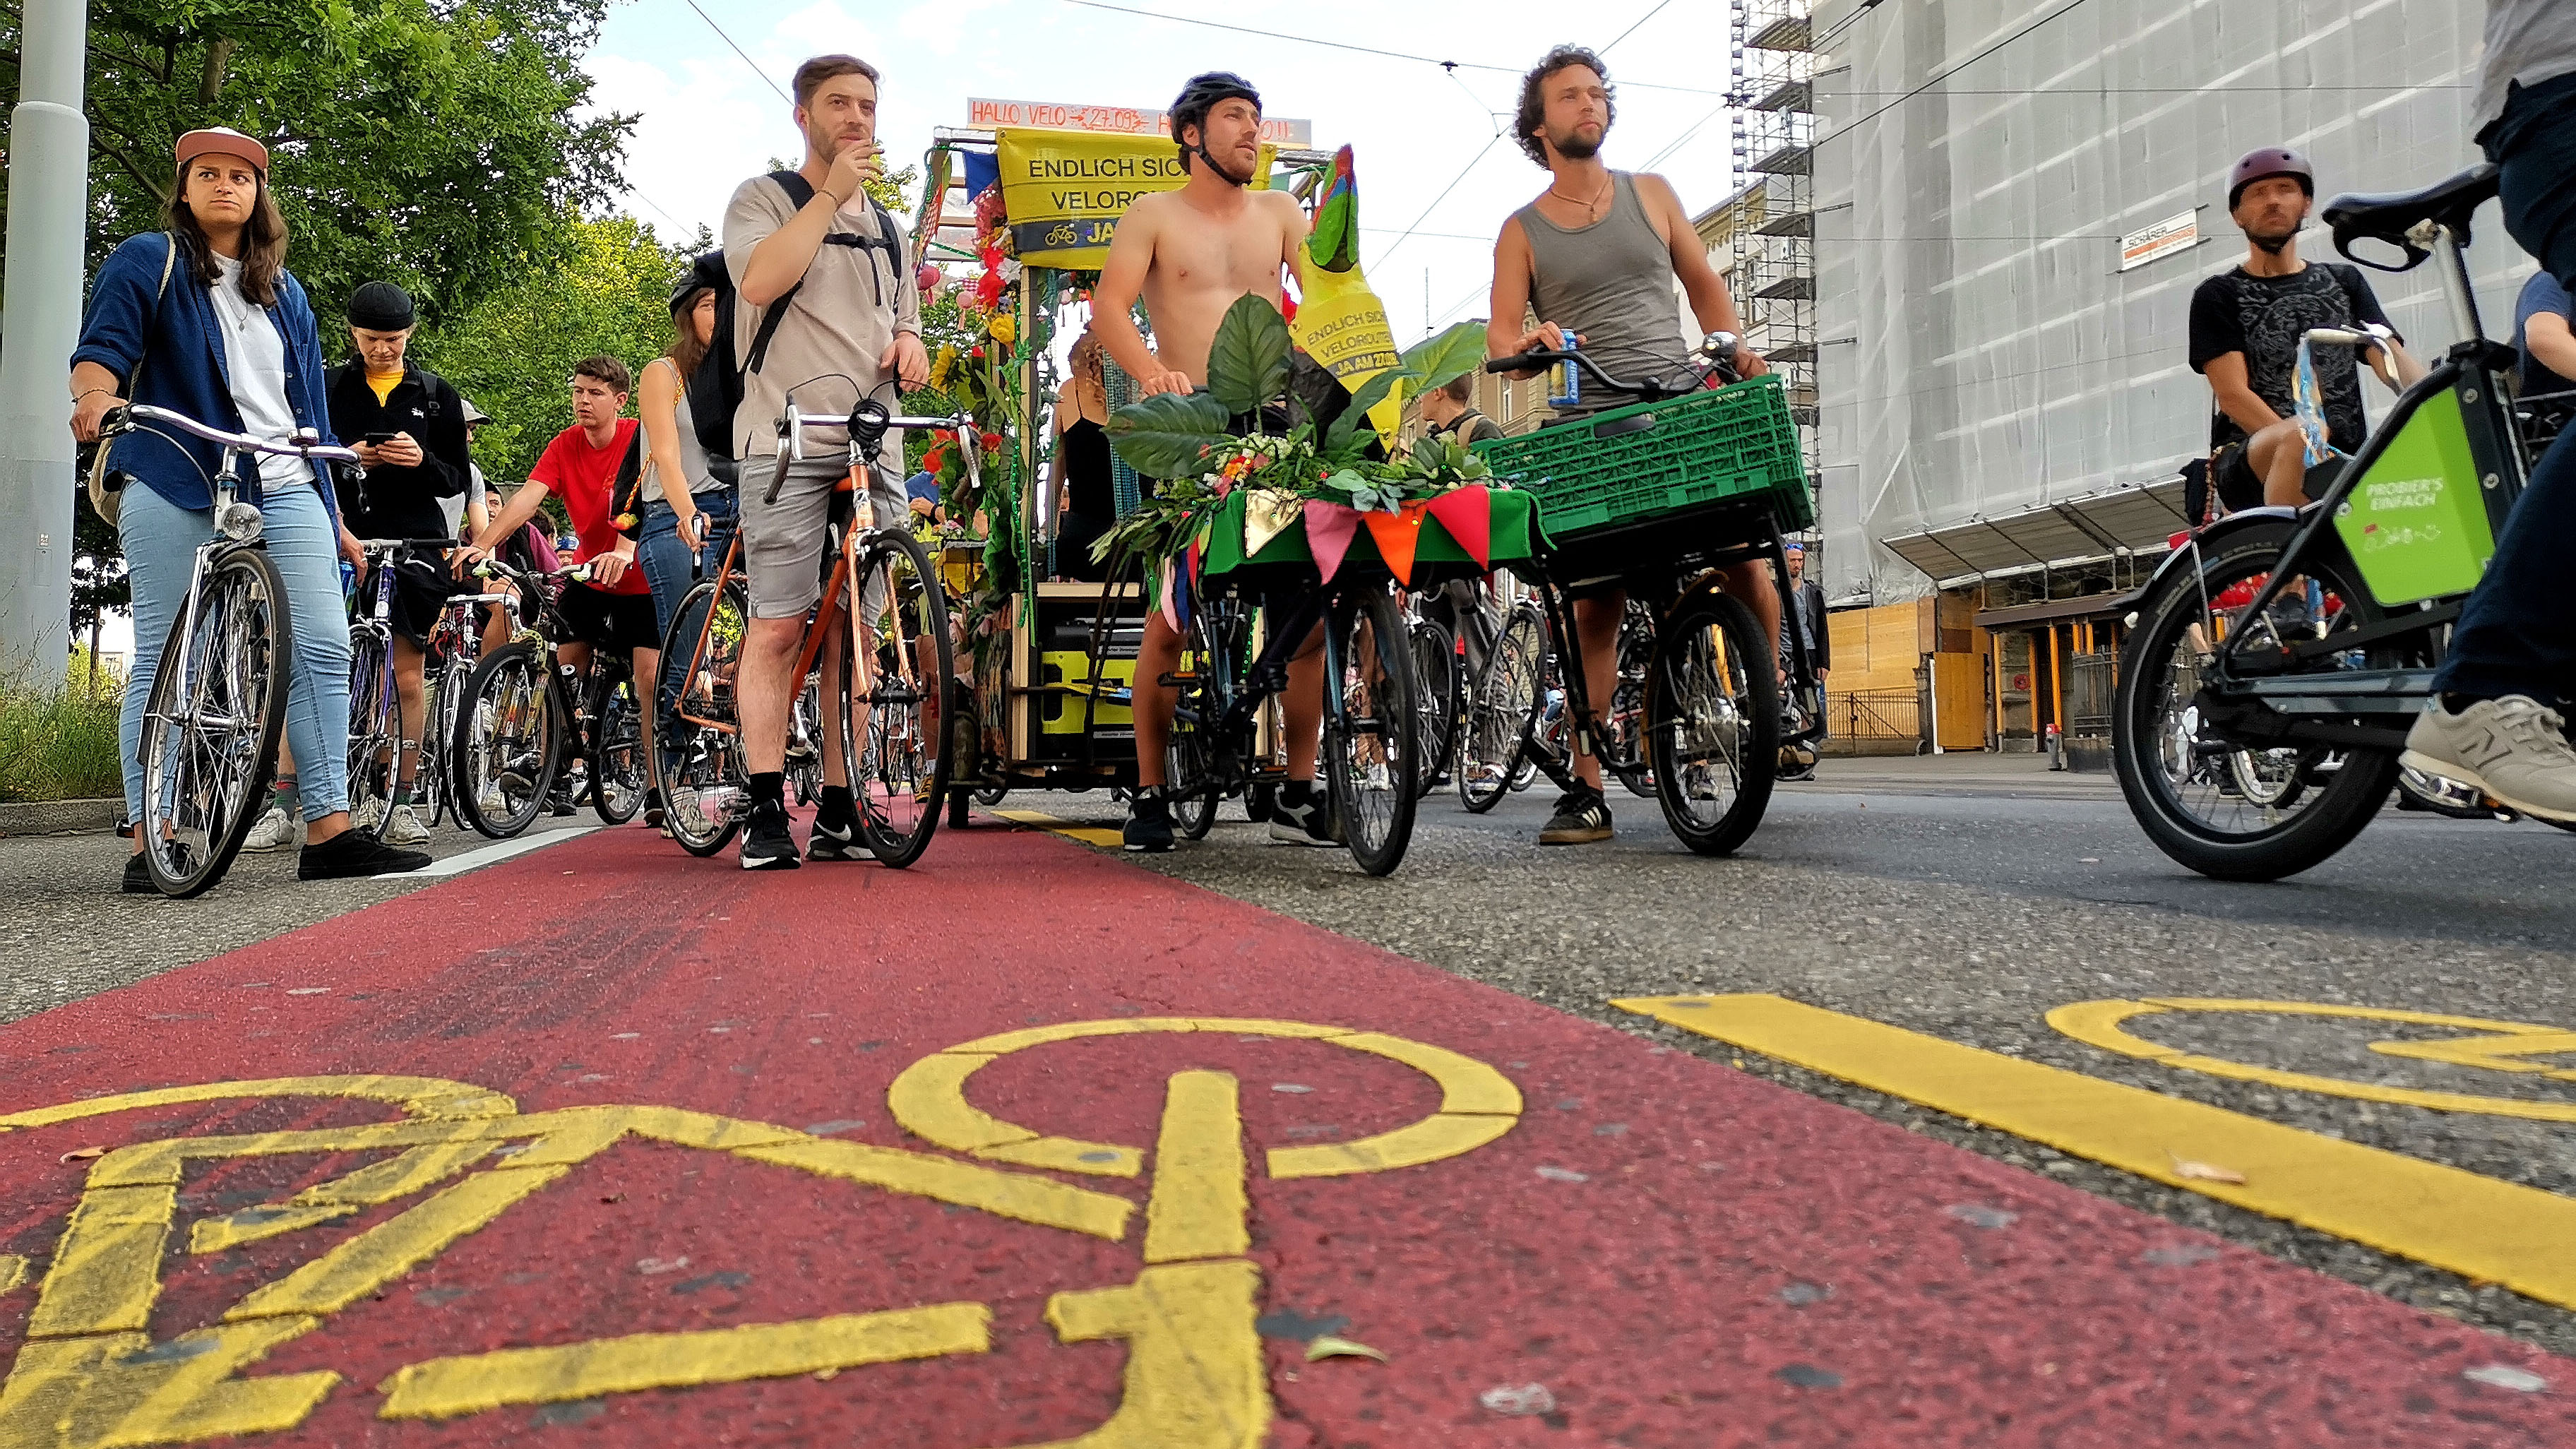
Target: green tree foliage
x: 433, y: 143
x: 607, y: 288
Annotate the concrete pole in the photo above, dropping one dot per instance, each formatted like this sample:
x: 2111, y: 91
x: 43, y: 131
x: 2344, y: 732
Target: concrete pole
x: 39, y: 326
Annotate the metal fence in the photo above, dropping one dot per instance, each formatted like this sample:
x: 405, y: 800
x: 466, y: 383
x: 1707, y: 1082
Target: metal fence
x: 1873, y: 714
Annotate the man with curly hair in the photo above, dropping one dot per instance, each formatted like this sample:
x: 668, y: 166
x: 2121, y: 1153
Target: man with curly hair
x: 1607, y: 256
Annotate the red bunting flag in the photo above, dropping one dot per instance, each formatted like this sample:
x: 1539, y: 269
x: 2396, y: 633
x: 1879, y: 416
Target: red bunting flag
x: 1468, y: 514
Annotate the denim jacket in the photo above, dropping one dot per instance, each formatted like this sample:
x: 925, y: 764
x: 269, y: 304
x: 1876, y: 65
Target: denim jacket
x: 179, y: 341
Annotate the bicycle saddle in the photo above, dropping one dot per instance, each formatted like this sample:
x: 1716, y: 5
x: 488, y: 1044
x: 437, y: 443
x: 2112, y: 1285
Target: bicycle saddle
x: 2386, y: 216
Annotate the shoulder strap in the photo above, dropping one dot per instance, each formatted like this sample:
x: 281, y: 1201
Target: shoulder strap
x: 169, y: 257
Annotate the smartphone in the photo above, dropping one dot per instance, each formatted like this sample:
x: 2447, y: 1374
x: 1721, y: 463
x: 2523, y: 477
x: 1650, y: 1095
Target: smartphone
x: 378, y: 440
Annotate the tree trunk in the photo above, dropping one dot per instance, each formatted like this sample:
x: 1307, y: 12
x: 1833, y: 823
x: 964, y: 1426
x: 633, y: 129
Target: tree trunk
x: 219, y: 53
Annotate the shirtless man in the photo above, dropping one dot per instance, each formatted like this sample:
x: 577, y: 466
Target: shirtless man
x: 1191, y: 253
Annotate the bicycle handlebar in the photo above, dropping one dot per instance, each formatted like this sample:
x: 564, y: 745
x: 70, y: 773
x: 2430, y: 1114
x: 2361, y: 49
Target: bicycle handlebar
x: 1716, y: 350
x: 132, y: 414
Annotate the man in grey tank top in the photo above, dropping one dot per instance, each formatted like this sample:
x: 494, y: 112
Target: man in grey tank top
x: 1609, y: 256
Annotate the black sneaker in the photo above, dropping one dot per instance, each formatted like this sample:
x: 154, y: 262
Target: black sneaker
x: 766, y: 843
x: 1303, y: 816
x: 1149, y: 824
x: 653, y: 815
x: 354, y: 853
x: 834, y: 840
x: 138, y: 877
x: 1582, y: 818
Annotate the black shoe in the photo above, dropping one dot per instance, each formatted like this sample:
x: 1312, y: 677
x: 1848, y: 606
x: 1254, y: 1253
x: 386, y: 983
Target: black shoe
x: 1582, y: 818
x: 834, y: 840
x: 1303, y: 816
x: 1149, y: 824
x: 653, y: 815
x: 138, y: 877
x: 354, y: 853
x: 766, y: 843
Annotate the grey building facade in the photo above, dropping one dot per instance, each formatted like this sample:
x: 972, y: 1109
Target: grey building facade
x: 1981, y: 352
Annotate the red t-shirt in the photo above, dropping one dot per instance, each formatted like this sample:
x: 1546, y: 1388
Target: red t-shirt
x: 584, y: 477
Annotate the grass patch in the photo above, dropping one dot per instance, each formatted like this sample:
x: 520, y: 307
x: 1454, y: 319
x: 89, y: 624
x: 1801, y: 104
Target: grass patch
x: 61, y: 746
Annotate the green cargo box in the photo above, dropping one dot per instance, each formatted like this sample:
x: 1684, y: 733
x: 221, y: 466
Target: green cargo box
x: 1637, y: 464
x: 2417, y: 523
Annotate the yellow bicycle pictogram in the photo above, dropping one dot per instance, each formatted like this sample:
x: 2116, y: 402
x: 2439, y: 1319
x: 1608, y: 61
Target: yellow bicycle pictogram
x: 2514, y: 1047
x: 90, y: 1374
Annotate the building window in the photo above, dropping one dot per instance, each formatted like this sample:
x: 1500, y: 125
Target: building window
x: 1511, y: 401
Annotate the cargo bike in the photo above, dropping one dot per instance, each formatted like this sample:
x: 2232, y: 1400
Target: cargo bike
x: 1657, y: 499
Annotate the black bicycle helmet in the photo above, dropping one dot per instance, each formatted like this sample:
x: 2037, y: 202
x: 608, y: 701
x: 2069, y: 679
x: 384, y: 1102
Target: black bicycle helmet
x: 2266, y: 163
x: 1200, y: 97
x: 706, y: 273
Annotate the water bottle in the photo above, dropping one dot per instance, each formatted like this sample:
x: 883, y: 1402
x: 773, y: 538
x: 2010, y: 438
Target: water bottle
x: 348, y: 583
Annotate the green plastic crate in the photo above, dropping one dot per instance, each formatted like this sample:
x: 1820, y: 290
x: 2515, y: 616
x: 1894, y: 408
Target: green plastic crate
x: 1724, y: 445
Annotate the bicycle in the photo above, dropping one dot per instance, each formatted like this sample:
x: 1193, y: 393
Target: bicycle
x: 1711, y: 726
x: 1371, y: 744
x: 2276, y: 659
x: 376, y: 736
x: 217, y: 709
x: 877, y: 644
x: 1437, y: 664
x: 456, y: 644
x: 526, y: 715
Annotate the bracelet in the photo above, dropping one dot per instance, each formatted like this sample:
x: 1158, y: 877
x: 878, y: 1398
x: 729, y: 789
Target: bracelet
x: 837, y: 201
x: 78, y: 396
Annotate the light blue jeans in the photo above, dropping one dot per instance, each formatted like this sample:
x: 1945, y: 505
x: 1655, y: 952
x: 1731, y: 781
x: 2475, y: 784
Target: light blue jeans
x: 161, y: 541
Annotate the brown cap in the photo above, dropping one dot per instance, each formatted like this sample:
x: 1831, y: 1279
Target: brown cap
x: 222, y: 141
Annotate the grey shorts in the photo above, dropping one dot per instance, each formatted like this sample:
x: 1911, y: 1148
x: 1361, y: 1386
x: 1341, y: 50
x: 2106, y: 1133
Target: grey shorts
x: 783, y: 542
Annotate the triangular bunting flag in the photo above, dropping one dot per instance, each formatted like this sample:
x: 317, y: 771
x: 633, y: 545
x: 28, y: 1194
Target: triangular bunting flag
x: 1267, y: 512
x: 1468, y: 514
x: 1330, y: 527
x: 1396, y: 535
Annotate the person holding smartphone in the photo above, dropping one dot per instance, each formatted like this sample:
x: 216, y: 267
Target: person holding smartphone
x: 409, y: 429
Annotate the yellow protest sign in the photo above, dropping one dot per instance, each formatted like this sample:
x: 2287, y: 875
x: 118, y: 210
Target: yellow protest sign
x: 1340, y: 322
x: 1065, y: 190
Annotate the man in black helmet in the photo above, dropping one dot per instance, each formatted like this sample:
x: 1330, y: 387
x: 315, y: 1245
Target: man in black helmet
x: 1191, y: 254
x: 2245, y: 330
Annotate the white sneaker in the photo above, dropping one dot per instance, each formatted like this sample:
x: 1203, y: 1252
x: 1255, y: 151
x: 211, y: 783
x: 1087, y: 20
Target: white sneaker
x: 402, y: 827
x: 2513, y: 748
x: 273, y: 831
x: 369, y: 815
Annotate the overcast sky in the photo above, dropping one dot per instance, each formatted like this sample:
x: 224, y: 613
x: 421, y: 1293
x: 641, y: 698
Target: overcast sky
x: 709, y: 119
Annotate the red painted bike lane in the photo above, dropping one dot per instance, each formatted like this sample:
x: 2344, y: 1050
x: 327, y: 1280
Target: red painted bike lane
x: 1025, y: 1146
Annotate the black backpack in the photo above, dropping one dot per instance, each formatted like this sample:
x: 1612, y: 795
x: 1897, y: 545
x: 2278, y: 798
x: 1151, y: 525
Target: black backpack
x: 715, y: 390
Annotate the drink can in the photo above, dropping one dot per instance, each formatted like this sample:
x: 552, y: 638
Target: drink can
x: 1564, y: 385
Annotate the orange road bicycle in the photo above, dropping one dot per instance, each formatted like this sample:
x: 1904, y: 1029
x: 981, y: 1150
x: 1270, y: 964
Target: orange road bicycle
x: 877, y: 651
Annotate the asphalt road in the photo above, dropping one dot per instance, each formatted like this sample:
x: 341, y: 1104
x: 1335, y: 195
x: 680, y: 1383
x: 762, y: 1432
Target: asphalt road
x: 1963, y: 898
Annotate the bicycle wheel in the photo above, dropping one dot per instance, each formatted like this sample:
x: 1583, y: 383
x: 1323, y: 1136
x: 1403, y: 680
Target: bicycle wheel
x: 1713, y: 722
x: 805, y: 743
x: 894, y: 705
x: 1372, y: 735
x: 211, y: 726
x: 697, y: 762
x: 509, y: 742
x: 1501, y: 711
x: 1435, y: 679
x: 1623, y: 725
x: 375, y: 727
x: 1189, y: 756
x: 617, y: 769
x: 2190, y: 789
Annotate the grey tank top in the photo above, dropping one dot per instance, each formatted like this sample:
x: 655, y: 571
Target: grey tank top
x: 1612, y: 282
x: 693, y: 454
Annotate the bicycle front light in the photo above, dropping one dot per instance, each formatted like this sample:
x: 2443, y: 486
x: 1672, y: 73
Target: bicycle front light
x: 239, y: 522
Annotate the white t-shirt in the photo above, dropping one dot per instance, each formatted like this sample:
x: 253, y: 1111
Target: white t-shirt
x: 255, y: 356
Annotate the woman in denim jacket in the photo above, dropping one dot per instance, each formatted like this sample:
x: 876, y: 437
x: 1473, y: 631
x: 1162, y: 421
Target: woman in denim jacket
x: 205, y: 320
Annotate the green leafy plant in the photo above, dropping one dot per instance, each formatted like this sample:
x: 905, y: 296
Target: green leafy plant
x: 1249, y: 366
